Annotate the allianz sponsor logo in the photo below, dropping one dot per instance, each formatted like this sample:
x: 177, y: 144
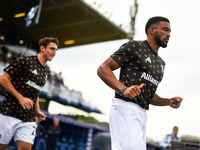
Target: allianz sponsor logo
x: 149, y: 78
x: 32, y: 84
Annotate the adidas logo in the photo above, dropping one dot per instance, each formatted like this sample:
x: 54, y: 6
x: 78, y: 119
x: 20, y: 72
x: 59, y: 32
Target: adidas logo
x: 34, y: 71
x: 148, y: 59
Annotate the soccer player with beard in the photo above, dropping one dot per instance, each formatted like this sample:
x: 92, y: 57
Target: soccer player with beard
x: 23, y: 81
x: 141, y: 72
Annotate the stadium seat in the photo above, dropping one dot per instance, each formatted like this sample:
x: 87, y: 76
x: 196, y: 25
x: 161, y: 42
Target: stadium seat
x: 58, y: 146
x: 63, y: 144
x: 71, y: 145
x: 41, y: 144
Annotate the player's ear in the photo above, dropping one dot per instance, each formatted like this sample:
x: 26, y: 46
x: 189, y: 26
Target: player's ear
x: 42, y: 48
x: 151, y: 30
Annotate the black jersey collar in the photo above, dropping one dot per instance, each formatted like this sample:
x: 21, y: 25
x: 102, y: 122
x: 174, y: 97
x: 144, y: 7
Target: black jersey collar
x: 39, y: 62
x: 150, y: 47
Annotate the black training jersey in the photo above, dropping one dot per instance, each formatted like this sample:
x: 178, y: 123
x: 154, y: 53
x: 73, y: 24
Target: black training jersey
x: 28, y: 77
x: 139, y: 64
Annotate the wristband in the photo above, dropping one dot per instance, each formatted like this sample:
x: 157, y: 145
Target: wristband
x: 123, y: 90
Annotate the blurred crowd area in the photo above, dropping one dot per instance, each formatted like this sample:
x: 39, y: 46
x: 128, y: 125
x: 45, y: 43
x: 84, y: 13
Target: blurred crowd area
x: 6, y: 55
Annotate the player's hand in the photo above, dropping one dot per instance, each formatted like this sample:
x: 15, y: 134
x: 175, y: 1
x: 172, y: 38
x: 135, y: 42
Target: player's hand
x: 175, y: 102
x: 133, y: 91
x: 26, y: 103
x: 41, y: 116
x: 169, y: 146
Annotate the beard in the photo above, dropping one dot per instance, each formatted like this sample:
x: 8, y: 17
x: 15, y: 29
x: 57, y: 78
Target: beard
x: 160, y: 42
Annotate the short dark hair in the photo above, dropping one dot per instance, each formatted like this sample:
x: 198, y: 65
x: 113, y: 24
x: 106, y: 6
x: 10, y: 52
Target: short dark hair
x: 46, y: 40
x: 175, y: 127
x: 154, y: 20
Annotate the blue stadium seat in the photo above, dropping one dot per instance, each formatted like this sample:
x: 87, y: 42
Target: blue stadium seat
x: 41, y: 143
x: 81, y: 145
x: 96, y: 147
x: 71, y: 145
x: 63, y: 144
x: 57, y: 146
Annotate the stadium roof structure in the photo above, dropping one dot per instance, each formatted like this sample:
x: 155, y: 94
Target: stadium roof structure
x: 77, y: 123
x: 72, y: 103
x: 73, y: 22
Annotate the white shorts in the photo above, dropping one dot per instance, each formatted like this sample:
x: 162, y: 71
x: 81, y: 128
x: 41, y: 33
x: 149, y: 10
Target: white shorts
x: 22, y: 131
x: 127, y: 126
